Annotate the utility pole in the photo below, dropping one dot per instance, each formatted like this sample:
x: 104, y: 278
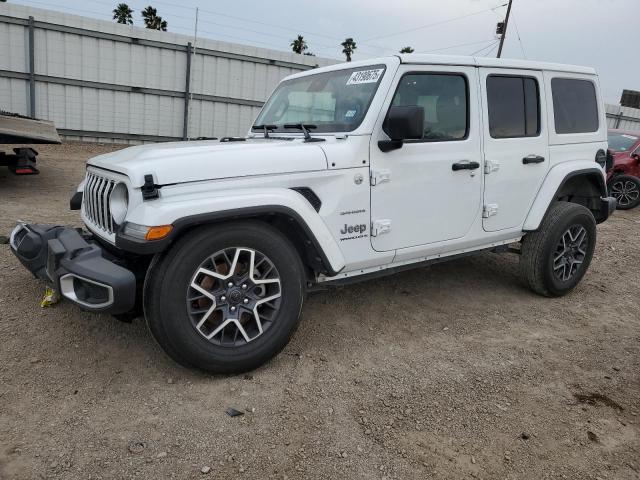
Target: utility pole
x: 195, y: 46
x: 504, y: 31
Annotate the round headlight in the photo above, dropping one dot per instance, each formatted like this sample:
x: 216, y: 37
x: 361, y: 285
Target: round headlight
x: 119, y: 202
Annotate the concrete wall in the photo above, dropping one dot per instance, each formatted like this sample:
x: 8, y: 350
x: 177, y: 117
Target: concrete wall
x: 102, y: 81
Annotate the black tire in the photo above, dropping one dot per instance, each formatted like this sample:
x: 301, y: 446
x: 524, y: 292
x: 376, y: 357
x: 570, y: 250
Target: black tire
x: 542, y: 247
x: 168, y: 283
x: 626, y: 190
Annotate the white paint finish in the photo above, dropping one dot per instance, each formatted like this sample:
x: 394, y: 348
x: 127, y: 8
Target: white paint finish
x: 513, y: 186
x: 550, y: 186
x: 424, y: 191
x: 490, y: 62
x: 172, y: 208
x: 349, y: 152
x: 434, y: 211
x: 177, y: 162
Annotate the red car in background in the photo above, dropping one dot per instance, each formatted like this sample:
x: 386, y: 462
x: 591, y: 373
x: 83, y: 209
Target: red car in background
x: 623, y: 180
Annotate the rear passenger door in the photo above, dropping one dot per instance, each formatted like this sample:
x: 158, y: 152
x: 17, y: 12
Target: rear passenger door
x: 516, y: 151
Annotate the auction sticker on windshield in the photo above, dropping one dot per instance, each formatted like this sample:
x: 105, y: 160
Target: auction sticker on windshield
x: 365, y: 76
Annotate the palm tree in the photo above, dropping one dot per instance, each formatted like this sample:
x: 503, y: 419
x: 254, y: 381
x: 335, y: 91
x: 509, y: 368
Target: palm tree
x: 122, y: 14
x: 407, y: 50
x: 348, y: 47
x: 152, y: 20
x: 299, y: 45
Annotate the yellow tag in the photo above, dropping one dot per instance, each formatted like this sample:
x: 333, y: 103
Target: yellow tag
x: 49, y: 298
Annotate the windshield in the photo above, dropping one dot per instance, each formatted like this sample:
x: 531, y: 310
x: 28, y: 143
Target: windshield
x: 621, y: 142
x: 332, y: 101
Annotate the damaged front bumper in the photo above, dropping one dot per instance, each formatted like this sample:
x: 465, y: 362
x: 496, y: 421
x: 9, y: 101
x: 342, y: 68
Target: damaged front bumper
x: 77, y: 267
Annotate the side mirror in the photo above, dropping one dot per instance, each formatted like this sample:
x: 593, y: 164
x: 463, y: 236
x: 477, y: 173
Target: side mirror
x: 402, y: 123
x: 636, y: 155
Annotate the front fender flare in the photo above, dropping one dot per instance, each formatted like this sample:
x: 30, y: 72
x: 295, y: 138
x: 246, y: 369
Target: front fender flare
x: 553, y: 183
x: 187, y: 211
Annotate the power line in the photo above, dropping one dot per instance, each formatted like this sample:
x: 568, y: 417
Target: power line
x: 441, y: 22
x: 490, y: 47
x: 491, y: 50
x: 515, y: 24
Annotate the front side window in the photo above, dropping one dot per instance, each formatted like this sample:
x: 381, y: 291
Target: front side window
x: 332, y: 101
x: 575, y: 107
x: 514, y: 106
x: 444, y: 98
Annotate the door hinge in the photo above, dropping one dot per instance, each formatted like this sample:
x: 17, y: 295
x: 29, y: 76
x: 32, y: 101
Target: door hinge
x: 490, y: 166
x: 379, y: 227
x: 380, y: 176
x: 489, y: 210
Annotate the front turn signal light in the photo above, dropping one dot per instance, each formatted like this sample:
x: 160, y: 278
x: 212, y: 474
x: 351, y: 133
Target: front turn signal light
x: 158, y: 233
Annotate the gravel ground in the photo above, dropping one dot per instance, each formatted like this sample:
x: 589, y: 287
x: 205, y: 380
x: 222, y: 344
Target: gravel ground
x: 454, y: 371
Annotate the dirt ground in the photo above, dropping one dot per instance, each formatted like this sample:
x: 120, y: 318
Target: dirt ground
x: 455, y: 371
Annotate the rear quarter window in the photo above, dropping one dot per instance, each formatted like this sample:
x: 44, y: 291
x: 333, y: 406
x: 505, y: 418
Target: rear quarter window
x: 575, y: 107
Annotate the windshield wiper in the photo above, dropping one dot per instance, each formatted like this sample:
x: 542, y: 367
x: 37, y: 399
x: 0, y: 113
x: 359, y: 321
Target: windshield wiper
x: 305, y: 127
x: 266, y: 128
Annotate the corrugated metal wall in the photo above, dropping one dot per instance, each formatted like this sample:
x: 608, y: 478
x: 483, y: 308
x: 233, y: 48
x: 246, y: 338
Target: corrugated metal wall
x: 624, y: 118
x: 103, y: 81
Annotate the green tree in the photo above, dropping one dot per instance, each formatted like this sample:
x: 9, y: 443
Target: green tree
x: 407, y: 50
x: 152, y: 20
x: 299, y: 45
x: 348, y: 47
x: 122, y: 14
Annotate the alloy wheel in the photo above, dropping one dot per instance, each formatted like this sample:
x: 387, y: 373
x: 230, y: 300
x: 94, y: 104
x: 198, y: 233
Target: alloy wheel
x: 570, y: 252
x: 234, y: 296
x: 626, y: 192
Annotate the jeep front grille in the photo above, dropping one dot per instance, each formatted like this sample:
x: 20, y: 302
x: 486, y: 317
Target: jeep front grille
x: 97, y: 191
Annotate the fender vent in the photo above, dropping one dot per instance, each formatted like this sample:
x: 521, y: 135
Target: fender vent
x: 311, y: 197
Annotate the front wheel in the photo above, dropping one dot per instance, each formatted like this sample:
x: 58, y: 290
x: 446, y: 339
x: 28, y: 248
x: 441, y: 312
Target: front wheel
x: 557, y: 255
x: 225, y: 299
x: 626, y: 190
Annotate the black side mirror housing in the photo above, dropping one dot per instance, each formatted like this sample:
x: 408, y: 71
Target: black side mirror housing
x: 402, y: 123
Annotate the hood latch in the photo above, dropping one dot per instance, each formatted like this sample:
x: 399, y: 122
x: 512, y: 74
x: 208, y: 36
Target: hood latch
x: 149, y: 188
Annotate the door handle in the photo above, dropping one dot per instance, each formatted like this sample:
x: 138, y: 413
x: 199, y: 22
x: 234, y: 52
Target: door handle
x: 532, y: 159
x: 465, y: 165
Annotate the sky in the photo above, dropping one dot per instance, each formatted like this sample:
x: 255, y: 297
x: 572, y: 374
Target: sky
x: 604, y: 34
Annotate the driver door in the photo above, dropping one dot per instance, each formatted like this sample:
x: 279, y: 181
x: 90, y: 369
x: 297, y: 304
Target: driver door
x: 430, y: 189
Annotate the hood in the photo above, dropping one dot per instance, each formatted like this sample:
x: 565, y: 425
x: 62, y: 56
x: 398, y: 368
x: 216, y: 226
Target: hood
x: 179, y: 162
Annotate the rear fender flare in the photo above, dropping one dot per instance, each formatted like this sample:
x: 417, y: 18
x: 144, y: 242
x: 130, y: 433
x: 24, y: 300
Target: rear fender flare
x: 556, y: 178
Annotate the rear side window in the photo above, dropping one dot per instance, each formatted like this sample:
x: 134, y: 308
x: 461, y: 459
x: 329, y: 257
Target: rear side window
x: 514, y: 106
x: 575, y: 107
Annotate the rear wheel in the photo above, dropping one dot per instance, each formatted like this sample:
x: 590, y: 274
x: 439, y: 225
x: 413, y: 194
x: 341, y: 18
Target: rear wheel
x: 556, y: 256
x: 226, y: 298
x: 626, y: 190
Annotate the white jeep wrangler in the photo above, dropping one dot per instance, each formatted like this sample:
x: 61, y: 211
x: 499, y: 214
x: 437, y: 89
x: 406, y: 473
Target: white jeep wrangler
x: 350, y: 171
